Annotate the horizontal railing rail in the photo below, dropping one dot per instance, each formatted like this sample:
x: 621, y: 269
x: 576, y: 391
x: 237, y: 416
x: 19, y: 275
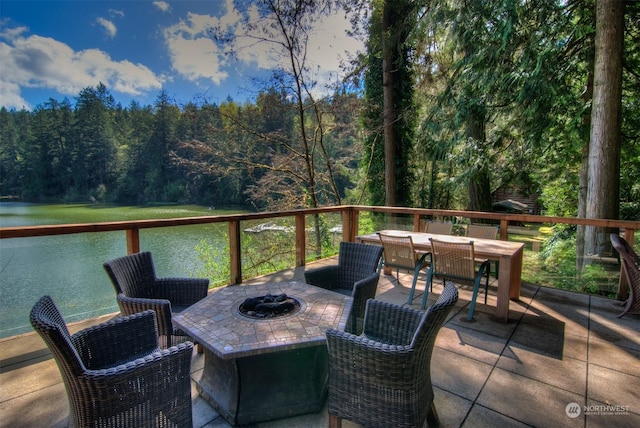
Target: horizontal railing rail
x: 349, y: 213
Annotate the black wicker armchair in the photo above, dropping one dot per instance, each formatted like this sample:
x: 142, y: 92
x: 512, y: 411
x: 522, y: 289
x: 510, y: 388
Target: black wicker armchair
x: 138, y: 289
x: 115, y: 374
x: 356, y: 275
x: 383, y: 377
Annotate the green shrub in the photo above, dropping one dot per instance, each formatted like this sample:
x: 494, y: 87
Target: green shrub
x: 558, y: 266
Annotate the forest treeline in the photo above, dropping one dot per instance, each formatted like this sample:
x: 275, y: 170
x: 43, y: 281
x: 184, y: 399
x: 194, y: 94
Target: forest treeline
x: 95, y: 150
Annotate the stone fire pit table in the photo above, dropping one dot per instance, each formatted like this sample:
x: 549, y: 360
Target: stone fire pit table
x: 263, y: 369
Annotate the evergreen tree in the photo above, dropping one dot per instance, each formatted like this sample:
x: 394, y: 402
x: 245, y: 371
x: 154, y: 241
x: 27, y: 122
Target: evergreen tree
x: 162, y: 182
x: 93, y: 145
x: 10, y: 155
x: 390, y: 113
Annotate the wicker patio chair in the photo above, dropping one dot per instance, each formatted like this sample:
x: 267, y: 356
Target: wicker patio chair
x: 114, y: 373
x: 631, y: 266
x: 356, y: 275
x: 383, y: 377
x: 439, y: 227
x: 138, y: 289
x: 399, y: 253
x: 456, y: 260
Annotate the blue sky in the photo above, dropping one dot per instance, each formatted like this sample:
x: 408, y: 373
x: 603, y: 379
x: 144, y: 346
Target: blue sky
x: 54, y: 49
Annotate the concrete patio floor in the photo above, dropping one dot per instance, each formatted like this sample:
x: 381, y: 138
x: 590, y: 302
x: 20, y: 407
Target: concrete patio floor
x: 557, y: 349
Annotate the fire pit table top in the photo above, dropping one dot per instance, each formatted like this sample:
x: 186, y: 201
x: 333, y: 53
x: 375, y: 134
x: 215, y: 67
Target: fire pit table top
x: 217, y: 324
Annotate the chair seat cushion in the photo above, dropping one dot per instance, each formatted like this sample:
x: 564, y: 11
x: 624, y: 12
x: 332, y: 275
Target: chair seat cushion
x: 343, y: 291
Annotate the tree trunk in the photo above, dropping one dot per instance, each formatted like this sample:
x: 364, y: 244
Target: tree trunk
x: 603, y: 186
x: 388, y: 107
x: 584, y: 170
x: 582, y: 208
x: 479, y: 188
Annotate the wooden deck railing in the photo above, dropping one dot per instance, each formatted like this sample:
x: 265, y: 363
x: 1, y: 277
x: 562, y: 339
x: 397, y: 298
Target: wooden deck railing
x: 349, y: 214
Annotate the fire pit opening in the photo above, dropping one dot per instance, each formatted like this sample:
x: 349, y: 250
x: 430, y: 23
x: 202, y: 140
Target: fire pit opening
x: 269, y: 306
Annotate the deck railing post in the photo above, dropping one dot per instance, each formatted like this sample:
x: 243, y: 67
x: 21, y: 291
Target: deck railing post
x: 133, y: 241
x: 349, y: 224
x: 300, y: 240
x: 504, y: 229
x: 235, y: 252
x: 416, y: 223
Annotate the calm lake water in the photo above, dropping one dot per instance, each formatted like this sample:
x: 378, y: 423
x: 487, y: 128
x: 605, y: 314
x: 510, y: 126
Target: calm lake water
x: 69, y: 267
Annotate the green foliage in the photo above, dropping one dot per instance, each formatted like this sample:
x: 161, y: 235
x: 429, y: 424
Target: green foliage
x: 152, y: 154
x: 559, y: 258
x: 366, y: 223
x: 215, y: 262
x: 558, y: 266
x: 400, y: 14
x: 560, y: 196
x: 175, y: 192
x: 100, y: 193
x: 492, y: 82
x: 262, y: 253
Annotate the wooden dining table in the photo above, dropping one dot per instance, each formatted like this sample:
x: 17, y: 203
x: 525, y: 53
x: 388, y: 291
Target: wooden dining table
x: 508, y: 254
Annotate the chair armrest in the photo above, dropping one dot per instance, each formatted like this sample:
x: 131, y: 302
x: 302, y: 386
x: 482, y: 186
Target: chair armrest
x: 165, y: 372
x: 362, y: 291
x: 117, y: 341
x: 367, y: 287
x: 178, y: 356
x: 324, y: 277
x: 391, y: 324
x: 181, y: 291
x: 345, y: 343
x: 162, y: 308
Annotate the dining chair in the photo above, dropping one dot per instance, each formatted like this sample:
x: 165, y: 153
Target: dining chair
x: 382, y: 378
x: 355, y: 275
x: 114, y: 373
x: 138, y: 288
x: 631, y: 266
x: 439, y: 227
x: 398, y: 252
x: 481, y: 231
x: 456, y: 260
x: 484, y: 232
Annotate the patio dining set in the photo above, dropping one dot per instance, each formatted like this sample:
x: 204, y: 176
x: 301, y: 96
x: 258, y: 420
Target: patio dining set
x: 367, y: 360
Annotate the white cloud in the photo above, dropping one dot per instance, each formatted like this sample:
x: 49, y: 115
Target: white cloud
x: 108, y: 26
x: 32, y: 61
x: 10, y: 96
x: 327, y: 44
x: 162, y: 5
x: 194, y: 54
x: 250, y: 46
x: 42, y: 62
